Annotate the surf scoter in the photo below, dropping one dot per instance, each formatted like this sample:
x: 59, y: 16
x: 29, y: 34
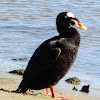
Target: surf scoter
x: 53, y: 58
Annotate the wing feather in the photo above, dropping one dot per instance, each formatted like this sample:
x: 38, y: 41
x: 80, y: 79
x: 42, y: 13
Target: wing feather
x: 42, y: 60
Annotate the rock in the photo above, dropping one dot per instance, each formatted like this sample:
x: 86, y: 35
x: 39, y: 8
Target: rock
x: 85, y: 88
x: 14, y: 59
x: 73, y: 80
x: 19, y: 72
x: 23, y: 59
x: 20, y: 59
x: 74, y: 88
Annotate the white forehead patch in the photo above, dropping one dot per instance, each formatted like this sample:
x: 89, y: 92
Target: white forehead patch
x: 69, y: 14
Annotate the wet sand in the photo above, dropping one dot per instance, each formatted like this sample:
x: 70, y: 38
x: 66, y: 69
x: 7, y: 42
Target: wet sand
x: 9, y: 82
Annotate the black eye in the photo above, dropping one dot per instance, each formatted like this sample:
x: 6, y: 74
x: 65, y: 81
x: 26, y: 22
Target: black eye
x: 72, y: 22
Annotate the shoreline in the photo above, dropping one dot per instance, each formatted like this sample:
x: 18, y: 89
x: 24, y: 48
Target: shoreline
x: 10, y: 82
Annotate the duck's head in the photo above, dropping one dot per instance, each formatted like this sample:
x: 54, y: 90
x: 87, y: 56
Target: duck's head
x: 67, y: 20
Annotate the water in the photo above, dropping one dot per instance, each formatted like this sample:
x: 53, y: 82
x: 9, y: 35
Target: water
x: 25, y: 24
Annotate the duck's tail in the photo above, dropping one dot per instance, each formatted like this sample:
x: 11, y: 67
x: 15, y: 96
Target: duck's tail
x: 22, y: 87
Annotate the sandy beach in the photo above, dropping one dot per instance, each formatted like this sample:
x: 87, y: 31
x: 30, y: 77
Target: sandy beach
x: 9, y: 82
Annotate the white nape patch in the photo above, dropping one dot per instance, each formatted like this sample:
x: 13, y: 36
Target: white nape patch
x: 69, y: 14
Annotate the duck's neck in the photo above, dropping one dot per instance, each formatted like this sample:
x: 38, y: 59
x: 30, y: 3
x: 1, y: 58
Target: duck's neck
x: 67, y: 32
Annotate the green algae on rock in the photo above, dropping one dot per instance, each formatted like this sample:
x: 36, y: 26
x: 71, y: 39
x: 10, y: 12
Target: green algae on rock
x: 73, y: 80
x: 19, y: 71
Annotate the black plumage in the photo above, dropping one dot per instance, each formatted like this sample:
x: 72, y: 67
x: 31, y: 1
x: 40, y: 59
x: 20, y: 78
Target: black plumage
x: 53, y: 58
